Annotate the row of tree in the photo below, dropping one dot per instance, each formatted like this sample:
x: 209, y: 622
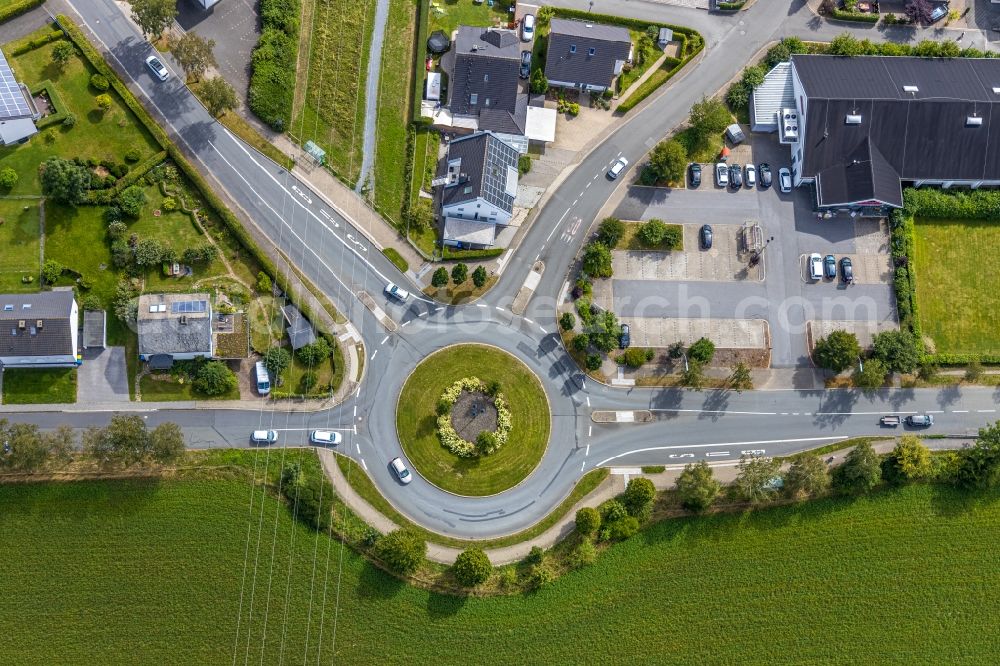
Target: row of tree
x: 459, y: 274
x: 892, y: 351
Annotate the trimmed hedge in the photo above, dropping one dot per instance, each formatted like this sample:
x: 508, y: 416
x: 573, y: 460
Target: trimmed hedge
x: 57, y: 104
x: 272, y: 81
x: 18, y: 8
x: 107, y: 195
x: 448, y: 253
x: 419, y: 56
x: 858, y: 17
x: 971, y: 204
x: 25, y: 44
x: 691, y: 45
x: 730, y: 6
x: 636, y: 24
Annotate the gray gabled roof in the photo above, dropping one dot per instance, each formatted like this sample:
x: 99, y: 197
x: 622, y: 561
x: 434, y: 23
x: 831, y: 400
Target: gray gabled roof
x: 53, y: 338
x: 300, y: 331
x: 485, y: 69
x: 485, y: 162
x: 569, y: 52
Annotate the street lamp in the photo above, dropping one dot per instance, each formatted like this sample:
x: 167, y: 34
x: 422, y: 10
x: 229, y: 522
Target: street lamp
x: 755, y: 257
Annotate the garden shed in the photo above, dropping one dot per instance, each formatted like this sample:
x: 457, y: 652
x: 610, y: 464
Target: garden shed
x: 438, y: 42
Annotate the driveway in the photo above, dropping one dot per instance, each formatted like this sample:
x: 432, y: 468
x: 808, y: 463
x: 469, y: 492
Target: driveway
x: 234, y: 26
x: 103, y: 376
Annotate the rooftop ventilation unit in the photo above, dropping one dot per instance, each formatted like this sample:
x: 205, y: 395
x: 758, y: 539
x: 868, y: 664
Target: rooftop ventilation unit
x: 973, y: 121
x: 788, y: 124
x: 911, y: 89
x: 853, y: 119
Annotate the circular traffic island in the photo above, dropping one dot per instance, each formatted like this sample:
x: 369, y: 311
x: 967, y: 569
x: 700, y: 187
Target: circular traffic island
x: 473, y: 420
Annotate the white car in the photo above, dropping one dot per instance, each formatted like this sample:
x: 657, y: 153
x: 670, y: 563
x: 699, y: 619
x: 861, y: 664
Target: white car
x: 324, y: 437
x: 617, y: 168
x: 263, y: 437
x: 721, y: 174
x: 400, y: 469
x: 157, y: 67
x: 751, y: 176
x: 785, y: 180
x: 815, y: 266
x: 394, y: 291
x: 528, y: 28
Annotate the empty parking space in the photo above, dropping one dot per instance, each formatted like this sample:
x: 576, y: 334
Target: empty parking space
x: 725, y: 333
x: 720, y: 263
x: 864, y: 330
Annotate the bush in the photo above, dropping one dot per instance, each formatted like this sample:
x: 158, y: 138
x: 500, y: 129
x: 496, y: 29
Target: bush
x: 263, y: 283
x: 597, y: 260
x: 99, y: 82
x: 214, y: 378
x: 581, y: 343
x: 620, y: 529
x: 534, y: 556
x: 638, y: 496
x: 440, y: 278
x: 272, y: 80
x: 104, y: 101
x: 523, y: 164
x: 567, y: 321
x: 651, y: 232
x: 538, y: 84
x: 168, y: 204
x: 132, y: 155
x: 837, y: 351
x: 402, y: 550
x: 540, y: 576
x: 472, y: 567
x: 635, y: 357
x: 52, y: 270
x: 313, y: 502
x: 702, y: 351
x: 69, y: 120
x: 314, y: 353
x: 588, y: 521
x: 8, y: 178
x: 610, y: 231
x: 276, y: 360
x: 696, y: 488
x: 584, y: 554
x: 860, y: 472
x: 593, y: 362
x: 131, y: 201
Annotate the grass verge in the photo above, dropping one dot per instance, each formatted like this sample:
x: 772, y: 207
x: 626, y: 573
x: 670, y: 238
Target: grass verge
x: 396, y: 258
x: 630, y: 241
x: 26, y: 386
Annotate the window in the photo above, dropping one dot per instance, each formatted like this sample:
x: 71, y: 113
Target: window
x: 592, y: 51
x: 473, y: 98
x: 486, y: 102
x: 572, y: 48
x: 486, y: 78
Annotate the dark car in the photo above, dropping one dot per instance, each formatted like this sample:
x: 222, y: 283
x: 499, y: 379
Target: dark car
x: 830, y: 267
x: 846, y: 270
x: 705, y: 235
x: 694, y: 174
x: 525, y: 64
x: 920, y: 420
x: 765, y: 175
x: 735, y: 176
x: 625, y: 339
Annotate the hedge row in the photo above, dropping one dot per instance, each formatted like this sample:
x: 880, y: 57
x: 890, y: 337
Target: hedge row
x: 54, y: 99
x: 637, y: 24
x: 107, y: 195
x: 288, y: 395
x: 419, y: 56
x: 272, y: 80
x: 448, y: 253
x: 691, y: 45
x: 730, y: 6
x: 25, y: 44
x: 18, y: 8
x: 971, y: 204
x: 904, y: 279
x: 859, y: 17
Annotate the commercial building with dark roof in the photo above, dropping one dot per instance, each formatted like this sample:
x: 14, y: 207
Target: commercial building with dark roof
x: 585, y: 55
x: 39, y: 330
x: 860, y: 127
x: 174, y: 327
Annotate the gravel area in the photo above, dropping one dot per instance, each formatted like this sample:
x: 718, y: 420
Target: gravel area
x: 473, y: 413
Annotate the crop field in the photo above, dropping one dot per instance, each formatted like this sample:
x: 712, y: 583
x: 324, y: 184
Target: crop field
x: 120, y: 572
x: 331, y: 112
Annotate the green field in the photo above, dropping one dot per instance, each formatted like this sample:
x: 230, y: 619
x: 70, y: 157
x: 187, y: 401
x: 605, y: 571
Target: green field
x: 957, y: 300
x: 416, y: 421
x: 28, y: 386
x: 19, y: 245
x: 122, y: 572
x: 447, y: 15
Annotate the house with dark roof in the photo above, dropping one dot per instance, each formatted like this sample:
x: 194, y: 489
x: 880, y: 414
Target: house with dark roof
x: 477, y: 184
x: 586, y: 55
x: 859, y: 128
x: 17, y: 108
x: 300, y: 331
x: 39, y: 330
x: 174, y: 327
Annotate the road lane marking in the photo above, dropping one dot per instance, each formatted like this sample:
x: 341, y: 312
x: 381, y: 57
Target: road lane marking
x: 959, y: 411
x: 407, y: 322
x: 384, y: 339
x: 439, y: 309
x: 712, y: 454
x: 358, y: 447
x: 590, y: 432
x: 583, y: 465
x: 373, y: 355
x: 587, y: 452
x: 985, y: 411
x: 499, y: 308
x: 543, y: 330
x: 705, y: 446
x: 715, y: 411
x: 588, y: 401
x: 528, y: 320
x: 422, y: 314
x: 364, y: 464
x: 480, y: 305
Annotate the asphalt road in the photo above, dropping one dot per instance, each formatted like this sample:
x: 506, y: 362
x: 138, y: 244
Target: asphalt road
x: 715, y: 426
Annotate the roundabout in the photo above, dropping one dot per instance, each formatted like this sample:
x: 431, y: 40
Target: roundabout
x: 473, y: 420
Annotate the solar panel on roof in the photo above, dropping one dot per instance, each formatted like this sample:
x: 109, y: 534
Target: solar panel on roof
x: 12, y: 102
x: 188, y: 307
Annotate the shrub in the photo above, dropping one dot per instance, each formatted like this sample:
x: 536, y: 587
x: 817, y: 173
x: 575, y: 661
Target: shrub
x: 567, y: 321
x: 69, y: 120
x: 52, y: 270
x: 910, y: 460
x: 117, y: 230
x: 588, y: 521
x: 99, y: 82
x: 276, y: 360
x: 440, y: 278
x: 272, y: 80
x: 479, y: 277
x: 610, y: 231
x: 620, y: 529
x: 651, y: 232
x: 168, y: 204
x: 581, y: 343
x: 534, y: 556
x: 638, y: 496
x: 132, y: 155
x: 538, y: 84
x: 540, y: 576
x: 263, y: 283
x: 635, y: 357
x: 459, y: 273
x: 402, y: 550
x: 131, y: 200
x: 860, y: 472
x: 214, y: 378
x: 62, y: 52
x: 696, y: 488
x: 8, y: 178
x: 597, y: 260
x: 593, y: 362
x: 523, y: 164
x: 584, y: 554
x: 308, y: 381
x: 472, y: 567
x: 104, y: 101
x: 702, y: 351
x: 313, y: 502
x: 897, y: 350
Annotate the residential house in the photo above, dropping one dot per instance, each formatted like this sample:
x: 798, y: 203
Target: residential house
x: 859, y: 128
x: 300, y: 331
x: 17, y: 108
x: 586, y: 55
x: 39, y: 330
x: 477, y: 183
x: 174, y: 327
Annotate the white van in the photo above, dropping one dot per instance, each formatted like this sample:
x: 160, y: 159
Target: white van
x: 263, y: 379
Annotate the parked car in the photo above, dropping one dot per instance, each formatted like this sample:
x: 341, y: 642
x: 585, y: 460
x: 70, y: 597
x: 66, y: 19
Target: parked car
x: 694, y: 174
x: 625, y: 339
x: 393, y: 291
x: 938, y: 13
x: 721, y: 175
x: 324, y: 437
x: 765, y: 174
x: 785, y: 180
x: 263, y: 437
x: 735, y: 176
x: 705, y: 236
x: 846, y: 270
x: 751, y: 175
x: 525, y: 64
x: 815, y: 266
x: 401, y: 472
x: 617, y: 168
x: 829, y: 267
x: 528, y: 28
x: 920, y: 420
x: 158, y: 68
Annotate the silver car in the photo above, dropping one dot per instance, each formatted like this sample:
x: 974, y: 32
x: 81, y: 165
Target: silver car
x: 400, y: 469
x: 158, y: 68
x: 264, y: 437
x: 324, y: 437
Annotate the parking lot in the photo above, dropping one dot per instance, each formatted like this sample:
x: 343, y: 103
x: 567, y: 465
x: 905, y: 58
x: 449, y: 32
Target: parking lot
x: 725, y: 333
x: 719, y: 263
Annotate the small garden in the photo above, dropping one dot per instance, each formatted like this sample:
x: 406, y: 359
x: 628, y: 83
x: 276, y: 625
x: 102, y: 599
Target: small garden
x: 312, y: 371
x: 459, y: 285
x: 20, y: 258
x: 39, y: 386
x: 198, y: 379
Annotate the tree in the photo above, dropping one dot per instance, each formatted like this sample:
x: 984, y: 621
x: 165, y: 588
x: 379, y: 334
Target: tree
x: 472, y: 567
x: 131, y: 201
x: 567, y: 321
x: 755, y: 479
x: 610, y: 231
x: 440, y: 278
x: 62, y: 52
x: 872, y: 376
x: 64, y: 180
x: 708, y: 117
x: 638, y: 496
x: 910, y: 460
x: 166, y: 443
x: 538, y: 84
x: 693, y: 375
x: 979, y: 465
x: 459, y: 273
x: 588, y: 521
x: 597, y: 260
x: 593, y: 362
x: 8, y: 178
x: 263, y: 283
x: 153, y: 16
x: 605, y: 331
x: 121, y: 443
x: 276, y: 360
x: 104, y: 101
x: 401, y: 550
x: 845, y: 44
x: 313, y: 501
x: 651, y: 232
x: 806, y: 477
x: 25, y: 448
x: 667, y: 163
x: 581, y: 342
x: 479, y: 277
x: 918, y: 11
x: 52, y: 270
x: 314, y: 353
x: 897, y: 349
x: 837, y: 351
x: 194, y: 54
x: 696, y: 488
x: 702, y: 351
x: 99, y: 82
x: 214, y: 378
x: 860, y: 472
x: 218, y: 96
x: 741, y: 378
x: 974, y: 370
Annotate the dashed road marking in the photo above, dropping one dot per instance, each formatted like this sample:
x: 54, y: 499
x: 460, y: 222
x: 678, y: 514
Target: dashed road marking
x: 480, y: 305
x: 587, y: 452
x: 407, y: 322
x: 528, y: 320
x: 384, y: 339
x: 364, y: 464
x: 373, y: 355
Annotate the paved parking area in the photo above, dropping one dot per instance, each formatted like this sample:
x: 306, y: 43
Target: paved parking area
x: 721, y: 263
x: 234, y: 26
x: 725, y: 333
x: 865, y: 330
x: 102, y: 377
x: 868, y: 269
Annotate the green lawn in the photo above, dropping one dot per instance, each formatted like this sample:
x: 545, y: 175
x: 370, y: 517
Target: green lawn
x: 107, y: 135
x: 164, y: 389
x: 25, y: 386
x: 907, y: 576
x: 447, y: 15
x: 292, y: 376
x: 629, y: 241
x: 416, y: 421
x: 957, y: 300
x: 19, y: 245
x: 267, y: 326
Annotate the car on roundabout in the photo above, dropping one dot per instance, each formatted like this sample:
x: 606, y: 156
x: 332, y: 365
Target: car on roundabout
x: 325, y: 437
x: 402, y: 473
x: 395, y: 291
